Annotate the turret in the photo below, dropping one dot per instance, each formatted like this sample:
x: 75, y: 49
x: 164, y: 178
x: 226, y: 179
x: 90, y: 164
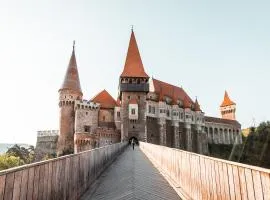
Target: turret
x: 68, y: 93
x: 228, y: 108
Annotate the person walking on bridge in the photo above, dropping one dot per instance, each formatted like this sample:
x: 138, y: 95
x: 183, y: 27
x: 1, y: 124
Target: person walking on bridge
x: 133, y: 143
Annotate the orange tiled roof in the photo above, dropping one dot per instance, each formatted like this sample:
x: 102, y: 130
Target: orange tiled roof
x: 186, y: 103
x: 133, y: 101
x: 133, y: 65
x: 104, y: 99
x: 72, y: 80
x: 174, y: 92
x: 222, y: 121
x: 227, y: 101
x: 118, y: 102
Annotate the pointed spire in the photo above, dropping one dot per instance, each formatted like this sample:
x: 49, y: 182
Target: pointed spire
x: 72, y: 80
x: 227, y: 101
x: 133, y: 65
x: 197, y: 106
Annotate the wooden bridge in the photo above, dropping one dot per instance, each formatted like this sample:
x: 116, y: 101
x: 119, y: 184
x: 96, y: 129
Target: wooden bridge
x: 148, y: 172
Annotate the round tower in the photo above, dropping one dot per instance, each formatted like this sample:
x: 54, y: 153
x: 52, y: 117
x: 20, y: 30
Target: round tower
x: 228, y: 108
x: 68, y: 93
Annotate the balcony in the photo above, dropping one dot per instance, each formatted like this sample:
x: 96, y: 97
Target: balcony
x: 134, y: 87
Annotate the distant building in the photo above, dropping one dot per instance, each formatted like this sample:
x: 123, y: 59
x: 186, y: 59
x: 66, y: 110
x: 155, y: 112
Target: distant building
x: 147, y: 109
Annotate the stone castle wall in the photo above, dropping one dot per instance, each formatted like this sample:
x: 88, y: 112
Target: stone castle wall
x: 133, y: 128
x: 46, y: 144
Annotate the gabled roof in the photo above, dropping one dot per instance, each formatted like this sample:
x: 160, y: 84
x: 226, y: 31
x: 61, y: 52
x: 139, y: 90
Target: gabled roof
x: 133, y: 65
x: 118, y: 102
x: 174, y: 92
x: 227, y: 101
x: 72, y: 80
x: 104, y: 99
x: 222, y: 121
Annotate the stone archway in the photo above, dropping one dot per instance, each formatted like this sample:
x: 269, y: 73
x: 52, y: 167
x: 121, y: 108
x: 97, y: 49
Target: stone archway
x: 135, y: 140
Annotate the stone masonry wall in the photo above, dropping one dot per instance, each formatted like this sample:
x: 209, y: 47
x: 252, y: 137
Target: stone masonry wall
x: 45, y: 145
x: 129, y: 128
x: 86, y: 117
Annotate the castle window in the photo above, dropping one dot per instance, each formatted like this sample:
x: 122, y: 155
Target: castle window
x: 133, y: 112
x: 128, y: 97
x: 86, y: 128
x: 149, y: 109
x: 86, y: 113
x: 154, y: 110
x: 139, y: 97
x: 71, y: 97
x: 118, y: 114
x: 103, y: 118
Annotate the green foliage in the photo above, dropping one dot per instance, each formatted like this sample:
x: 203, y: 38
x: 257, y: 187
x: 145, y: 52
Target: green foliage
x: 8, y: 161
x: 25, y: 154
x: 49, y: 156
x: 255, y: 149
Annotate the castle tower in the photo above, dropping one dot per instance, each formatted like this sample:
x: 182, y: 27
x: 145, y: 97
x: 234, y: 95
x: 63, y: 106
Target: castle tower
x: 227, y: 108
x: 68, y: 93
x: 133, y: 87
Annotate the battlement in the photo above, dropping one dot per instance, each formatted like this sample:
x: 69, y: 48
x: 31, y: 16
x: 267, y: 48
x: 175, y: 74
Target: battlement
x: 84, y: 104
x: 45, y: 133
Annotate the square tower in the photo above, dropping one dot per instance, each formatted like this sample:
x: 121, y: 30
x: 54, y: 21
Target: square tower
x: 133, y: 88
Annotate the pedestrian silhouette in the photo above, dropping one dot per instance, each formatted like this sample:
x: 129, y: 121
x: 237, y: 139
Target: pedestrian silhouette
x: 133, y: 143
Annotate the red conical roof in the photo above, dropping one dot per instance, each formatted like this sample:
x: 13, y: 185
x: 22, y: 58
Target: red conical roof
x: 72, y: 80
x: 197, y: 106
x: 104, y: 99
x: 133, y: 65
x: 227, y: 101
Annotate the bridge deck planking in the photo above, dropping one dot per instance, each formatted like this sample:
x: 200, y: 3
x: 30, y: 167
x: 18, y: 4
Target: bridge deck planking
x: 131, y: 176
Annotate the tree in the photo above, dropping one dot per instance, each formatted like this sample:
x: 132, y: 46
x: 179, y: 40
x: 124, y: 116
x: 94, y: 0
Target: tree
x: 25, y: 154
x: 8, y: 161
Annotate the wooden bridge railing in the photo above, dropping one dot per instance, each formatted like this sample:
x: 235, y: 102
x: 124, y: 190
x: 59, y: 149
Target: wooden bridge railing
x: 195, y: 176
x: 66, y: 177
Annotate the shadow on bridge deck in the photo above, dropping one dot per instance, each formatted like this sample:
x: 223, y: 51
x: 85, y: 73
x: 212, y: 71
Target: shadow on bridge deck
x: 131, y: 176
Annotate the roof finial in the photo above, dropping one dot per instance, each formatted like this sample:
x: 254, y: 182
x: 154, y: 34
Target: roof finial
x: 73, y: 45
x: 132, y: 28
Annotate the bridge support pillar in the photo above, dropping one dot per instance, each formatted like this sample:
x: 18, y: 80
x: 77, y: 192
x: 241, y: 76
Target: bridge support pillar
x: 176, y: 135
x: 188, y: 137
x: 162, y: 132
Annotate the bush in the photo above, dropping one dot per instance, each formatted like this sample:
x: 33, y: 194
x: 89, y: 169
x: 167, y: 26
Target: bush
x: 8, y: 161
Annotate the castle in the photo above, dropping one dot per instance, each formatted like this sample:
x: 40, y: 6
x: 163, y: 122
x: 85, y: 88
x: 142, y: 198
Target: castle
x: 146, y: 109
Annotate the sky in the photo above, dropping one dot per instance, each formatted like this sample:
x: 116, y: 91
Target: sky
x: 204, y: 46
